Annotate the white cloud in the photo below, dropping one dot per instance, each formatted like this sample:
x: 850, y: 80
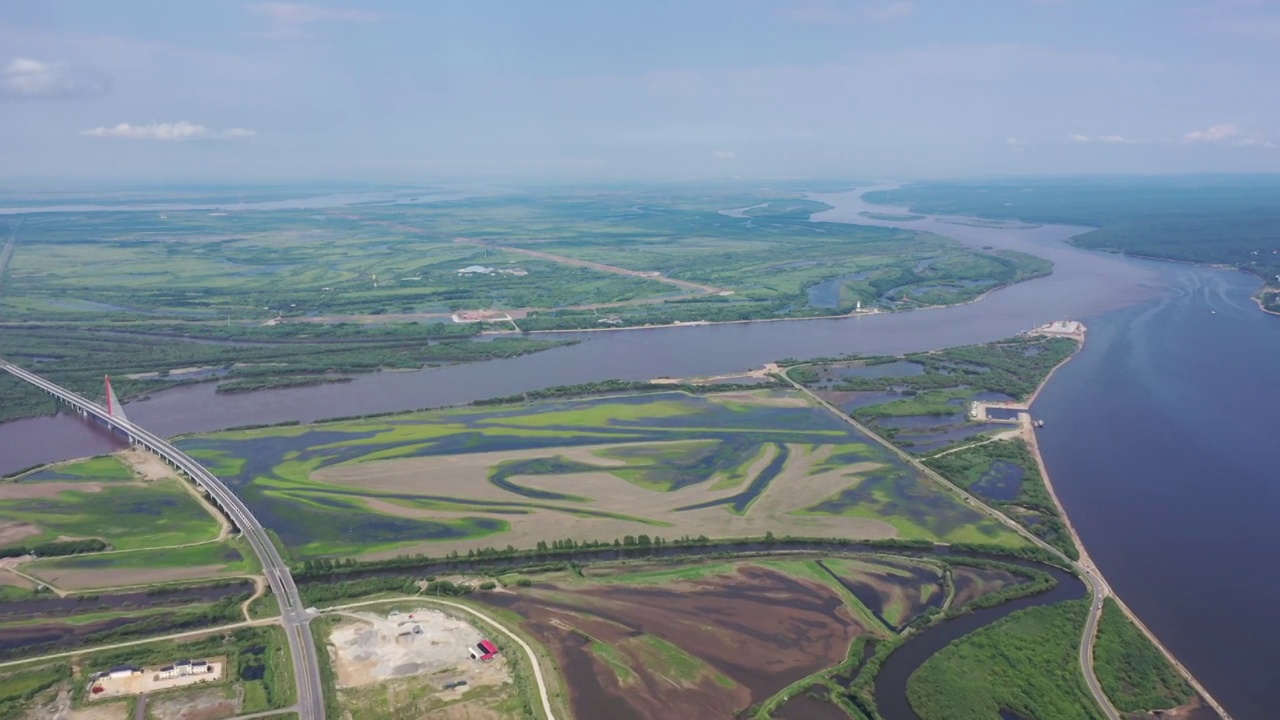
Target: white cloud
x: 724, y: 154
x: 28, y: 78
x: 1228, y: 134
x: 1111, y: 139
x: 178, y: 131
x: 1217, y: 133
x: 287, y: 19
x: 1015, y: 142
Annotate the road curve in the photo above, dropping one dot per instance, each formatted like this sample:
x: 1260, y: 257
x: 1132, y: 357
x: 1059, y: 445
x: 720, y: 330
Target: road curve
x: 533, y: 658
x: 293, y: 616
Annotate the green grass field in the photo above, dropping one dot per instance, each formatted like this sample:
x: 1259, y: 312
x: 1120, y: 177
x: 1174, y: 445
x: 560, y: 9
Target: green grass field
x: 665, y: 464
x: 232, y: 557
x: 1026, y: 664
x: 105, y: 468
x: 99, y: 498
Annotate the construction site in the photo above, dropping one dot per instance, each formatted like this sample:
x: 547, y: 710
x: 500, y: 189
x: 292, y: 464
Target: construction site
x: 372, y: 648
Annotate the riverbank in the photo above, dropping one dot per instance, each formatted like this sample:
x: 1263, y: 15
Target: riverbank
x: 1258, y: 298
x: 707, y: 323
x: 1028, y: 435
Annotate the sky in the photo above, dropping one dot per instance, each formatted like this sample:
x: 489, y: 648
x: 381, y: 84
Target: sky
x: 137, y: 90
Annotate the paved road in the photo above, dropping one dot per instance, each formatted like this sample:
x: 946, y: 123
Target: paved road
x: 1096, y: 585
x: 7, y: 251
x: 144, y: 641
x: 533, y: 659
x: 293, y: 616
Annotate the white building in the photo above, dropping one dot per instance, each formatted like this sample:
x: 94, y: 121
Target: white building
x: 183, y: 668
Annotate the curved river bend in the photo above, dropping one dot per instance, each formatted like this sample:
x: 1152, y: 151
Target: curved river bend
x: 1160, y: 435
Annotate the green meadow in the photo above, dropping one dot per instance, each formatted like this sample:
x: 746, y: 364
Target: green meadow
x: 99, y: 498
x: 231, y: 557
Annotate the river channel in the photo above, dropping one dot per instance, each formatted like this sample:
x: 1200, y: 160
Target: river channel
x: 1160, y: 435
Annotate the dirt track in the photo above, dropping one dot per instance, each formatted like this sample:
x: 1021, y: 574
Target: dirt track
x: 683, y: 284
x: 90, y: 578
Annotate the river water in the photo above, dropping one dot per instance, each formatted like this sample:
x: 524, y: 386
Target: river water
x: 1160, y: 435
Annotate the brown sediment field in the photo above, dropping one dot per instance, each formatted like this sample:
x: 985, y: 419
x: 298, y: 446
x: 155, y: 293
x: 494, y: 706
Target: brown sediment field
x: 14, y: 531
x: 795, y: 488
x: 145, y: 464
x: 882, y: 584
x: 760, y: 397
x: 446, y: 474
x: 757, y: 626
x: 91, y: 578
x: 9, y: 578
x: 972, y: 583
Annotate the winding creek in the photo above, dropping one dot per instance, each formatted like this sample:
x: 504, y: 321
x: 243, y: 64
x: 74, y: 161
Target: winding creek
x: 1160, y: 435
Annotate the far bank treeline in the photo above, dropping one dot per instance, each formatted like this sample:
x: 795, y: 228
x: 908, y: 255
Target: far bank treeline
x: 1211, y: 219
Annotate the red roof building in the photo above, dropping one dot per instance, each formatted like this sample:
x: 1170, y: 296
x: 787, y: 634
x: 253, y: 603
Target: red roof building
x: 488, y: 648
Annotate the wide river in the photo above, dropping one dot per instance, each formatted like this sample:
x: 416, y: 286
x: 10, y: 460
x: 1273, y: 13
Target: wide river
x: 1160, y: 436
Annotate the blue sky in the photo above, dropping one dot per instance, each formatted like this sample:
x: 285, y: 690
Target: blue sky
x: 217, y: 89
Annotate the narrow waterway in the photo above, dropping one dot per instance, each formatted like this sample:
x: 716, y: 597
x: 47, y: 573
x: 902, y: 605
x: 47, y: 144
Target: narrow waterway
x: 891, y: 682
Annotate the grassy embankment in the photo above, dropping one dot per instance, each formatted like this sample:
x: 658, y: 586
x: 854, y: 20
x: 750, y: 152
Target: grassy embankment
x: 1133, y: 672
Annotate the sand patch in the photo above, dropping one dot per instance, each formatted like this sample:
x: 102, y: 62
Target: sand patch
x: 370, y: 648
x: 792, y: 490
x: 465, y: 475
x: 60, y: 709
x: 146, y: 465
x: 764, y: 398
x: 90, y: 578
x: 470, y: 710
x: 208, y: 704
x: 12, y: 531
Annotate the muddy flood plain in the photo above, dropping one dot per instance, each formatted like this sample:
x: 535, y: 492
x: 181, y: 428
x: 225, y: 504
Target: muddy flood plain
x: 750, y: 634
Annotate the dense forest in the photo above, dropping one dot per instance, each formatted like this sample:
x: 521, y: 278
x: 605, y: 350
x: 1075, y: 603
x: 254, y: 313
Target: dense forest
x: 1215, y: 219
